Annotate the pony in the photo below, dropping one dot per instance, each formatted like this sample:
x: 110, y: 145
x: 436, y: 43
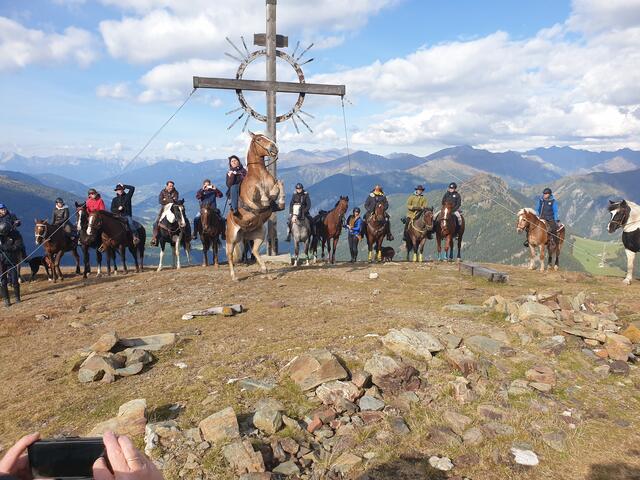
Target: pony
x: 114, y: 234
x: 417, y: 231
x: 173, y: 228
x: 626, y: 215
x: 82, y: 220
x: 539, y: 237
x: 301, y: 233
x: 376, y: 231
x: 327, y: 227
x: 260, y: 197
x: 56, y: 242
x: 447, y: 229
x: 210, y: 228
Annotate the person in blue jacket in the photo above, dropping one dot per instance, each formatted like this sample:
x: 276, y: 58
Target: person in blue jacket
x: 355, y: 225
x: 548, y: 210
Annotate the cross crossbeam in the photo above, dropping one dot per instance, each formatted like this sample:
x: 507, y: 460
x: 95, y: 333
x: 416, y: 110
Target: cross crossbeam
x: 263, y: 86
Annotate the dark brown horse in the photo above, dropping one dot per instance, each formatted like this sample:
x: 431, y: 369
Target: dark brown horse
x: 376, y: 231
x: 115, y: 236
x: 539, y: 237
x: 210, y: 228
x: 56, y: 242
x: 417, y: 231
x: 82, y: 221
x: 327, y: 229
x: 446, y: 228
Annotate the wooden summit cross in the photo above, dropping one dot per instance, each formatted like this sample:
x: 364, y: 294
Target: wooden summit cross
x: 271, y: 41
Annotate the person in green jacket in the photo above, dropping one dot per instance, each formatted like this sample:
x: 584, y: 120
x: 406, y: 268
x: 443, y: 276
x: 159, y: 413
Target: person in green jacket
x: 415, y: 203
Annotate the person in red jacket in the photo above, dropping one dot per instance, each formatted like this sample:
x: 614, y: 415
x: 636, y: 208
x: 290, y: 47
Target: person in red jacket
x: 94, y: 202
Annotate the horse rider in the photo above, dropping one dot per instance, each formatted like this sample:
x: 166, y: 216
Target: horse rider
x: 60, y: 216
x: 11, y: 246
x: 415, y: 203
x: 300, y: 197
x: 9, y: 218
x: 167, y: 195
x: 355, y: 226
x: 548, y: 211
x: 94, y: 202
x: 235, y: 175
x: 452, y: 196
x: 207, y: 196
x: 375, y: 197
x: 121, y: 206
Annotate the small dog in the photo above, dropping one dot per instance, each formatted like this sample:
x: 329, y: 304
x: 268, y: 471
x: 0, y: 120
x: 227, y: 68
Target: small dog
x: 34, y: 265
x: 387, y: 254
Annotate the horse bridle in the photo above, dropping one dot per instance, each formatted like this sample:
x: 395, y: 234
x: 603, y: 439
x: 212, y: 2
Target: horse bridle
x: 626, y: 212
x: 270, y: 152
x: 40, y: 235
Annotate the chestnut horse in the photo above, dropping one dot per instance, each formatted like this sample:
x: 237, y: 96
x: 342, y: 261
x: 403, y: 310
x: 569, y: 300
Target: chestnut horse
x: 327, y: 228
x: 115, y: 236
x: 82, y: 220
x: 210, y: 228
x: 56, y: 243
x: 418, y: 230
x: 260, y: 197
x: 376, y: 231
x: 447, y: 229
x: 539, y: 237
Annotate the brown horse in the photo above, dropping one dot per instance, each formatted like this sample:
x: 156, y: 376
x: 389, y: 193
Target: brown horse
x: 327, y: 228
x: 376, y: 231
x: 210, y: 228
x: 539, y: 237
x: 56, y: 243
x: 260, y: 197
x: 447, y: 229
x: 116, y: 236
x: 417, y: 231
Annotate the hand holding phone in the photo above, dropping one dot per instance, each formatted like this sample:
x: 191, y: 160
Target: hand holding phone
x: 65, y: 457
x: 15, y: 462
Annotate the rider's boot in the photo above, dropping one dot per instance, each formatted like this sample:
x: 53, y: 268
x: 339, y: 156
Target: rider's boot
x: 16, y: 292
x: 4, y: 293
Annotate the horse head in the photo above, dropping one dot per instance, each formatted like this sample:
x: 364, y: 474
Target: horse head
x: 263, y: 146
x: 619, y: 214
x: 525, y: 217
x: 81, y: 215
x: 94, y: 224
x: 178, y: 210
x: 427, y: 217
x: 446, y: 219
x: 343, y: 204
x: 40, y: 231
x: 296, y: 213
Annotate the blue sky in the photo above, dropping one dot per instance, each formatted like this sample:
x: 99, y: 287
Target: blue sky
x: 83, y: 77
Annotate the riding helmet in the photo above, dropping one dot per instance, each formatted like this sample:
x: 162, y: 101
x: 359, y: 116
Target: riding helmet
x: 420, y: 187
x: 59, y: 200
x: 356, y: 210
x: 453, y: 185
x: 2, y: 205
x: 299, y: 186
x: 546, y: 190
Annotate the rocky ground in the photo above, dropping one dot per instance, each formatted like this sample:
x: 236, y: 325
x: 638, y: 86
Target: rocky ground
x: 330, y: 372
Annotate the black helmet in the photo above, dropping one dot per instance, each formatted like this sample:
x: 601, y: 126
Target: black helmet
x: 453, y: 185
x: 420, y: 187
x: 547, y: 190
x: 299, y: 186
x: 356, y: 210
x: 59, y: 200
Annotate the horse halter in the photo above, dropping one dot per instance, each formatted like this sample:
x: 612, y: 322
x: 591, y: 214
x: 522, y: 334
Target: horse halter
x: 272, y: 150
x: 41, y: 237
x: 626, y: 211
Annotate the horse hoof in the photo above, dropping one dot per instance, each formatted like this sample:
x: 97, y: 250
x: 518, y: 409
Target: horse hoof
x: 555, y: 268
x: 627, y: 281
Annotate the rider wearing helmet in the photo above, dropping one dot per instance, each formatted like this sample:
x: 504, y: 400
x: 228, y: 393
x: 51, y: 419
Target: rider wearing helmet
x: 60, y: 216
x: 11, y: 246
x: 9, y: 218
x: 300, y: 197
x: 121, y: 206
x: 375, y: 197
x: 452, y: 196
x: 548, y: 210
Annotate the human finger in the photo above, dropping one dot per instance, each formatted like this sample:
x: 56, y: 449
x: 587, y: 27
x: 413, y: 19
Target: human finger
x: 132, y: 455
x: 101, y: 471
x: 10, y: 460
x: 114, y: 453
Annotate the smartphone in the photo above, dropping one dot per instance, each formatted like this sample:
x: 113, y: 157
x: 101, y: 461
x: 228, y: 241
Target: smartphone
x: 67, y: 458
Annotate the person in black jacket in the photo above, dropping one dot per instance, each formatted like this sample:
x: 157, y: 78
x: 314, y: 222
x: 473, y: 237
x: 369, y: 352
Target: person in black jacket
x: 375, y: 197
x: 300, y: 197
x: 11, y: 247
x: 168, y: 195
x: 235, y: 175
x: 121, y: 206
x: 60, y: 216
x: 452, y: 195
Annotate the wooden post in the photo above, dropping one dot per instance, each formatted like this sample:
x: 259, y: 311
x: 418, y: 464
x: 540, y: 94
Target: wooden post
x: 272, y: 225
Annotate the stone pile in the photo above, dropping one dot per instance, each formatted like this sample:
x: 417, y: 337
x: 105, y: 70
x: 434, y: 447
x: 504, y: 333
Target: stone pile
x: 112, y: 357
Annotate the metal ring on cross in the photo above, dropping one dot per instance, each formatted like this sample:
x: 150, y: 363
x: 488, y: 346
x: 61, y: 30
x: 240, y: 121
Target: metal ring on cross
x: 291, y: 61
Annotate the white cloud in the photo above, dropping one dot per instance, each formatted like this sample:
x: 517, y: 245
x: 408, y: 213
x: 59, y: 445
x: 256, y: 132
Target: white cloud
x: 598, y: 15
x: 21, y: 46
x: 174, y: 146
x: 171, y: 29
x: 117, y: 90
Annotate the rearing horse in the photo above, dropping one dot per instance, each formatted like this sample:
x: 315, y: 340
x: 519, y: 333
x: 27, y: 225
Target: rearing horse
x: 376, y: 231
x: 418, y: 230
x: 328, y: 226
x: 260, y: 197
x: 447, y: 229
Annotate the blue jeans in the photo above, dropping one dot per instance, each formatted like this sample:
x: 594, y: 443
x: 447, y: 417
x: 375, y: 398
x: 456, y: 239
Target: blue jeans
x: 234, y: 193
x: 132, y: 226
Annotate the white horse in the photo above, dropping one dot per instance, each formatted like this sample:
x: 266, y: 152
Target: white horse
x: 626, y: 215
x: 301, y: 233
x: 172, y: 227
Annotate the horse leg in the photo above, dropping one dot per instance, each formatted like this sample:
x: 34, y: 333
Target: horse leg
x: 532, y: 258
x: 231, y: 246
x: 459, y: 246
x: 335, y: 247
x: 86, y: 261
x: 205, y: 250
x: 542, y: 258
x: 123, y: 254
x: 296, y: 251
x: 379, y: 250
x: 631, y: 256
x: 175, y: 247
x: 306, y: 251
x: 74, y: 252
x: 57, y: 264
x: 98, y: 260
x: 557, y: 262
x: 161, y: 244
x: 421, y: 249
x: 215, y: 251
x: 257, y: 242
x: 134, y: 252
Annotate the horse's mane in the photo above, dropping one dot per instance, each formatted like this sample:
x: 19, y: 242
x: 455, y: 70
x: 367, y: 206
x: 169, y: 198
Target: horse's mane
x: 524, y: 211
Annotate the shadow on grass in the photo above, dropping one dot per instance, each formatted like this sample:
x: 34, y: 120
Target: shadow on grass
x: 610, y: 471
x: 404, y: 467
